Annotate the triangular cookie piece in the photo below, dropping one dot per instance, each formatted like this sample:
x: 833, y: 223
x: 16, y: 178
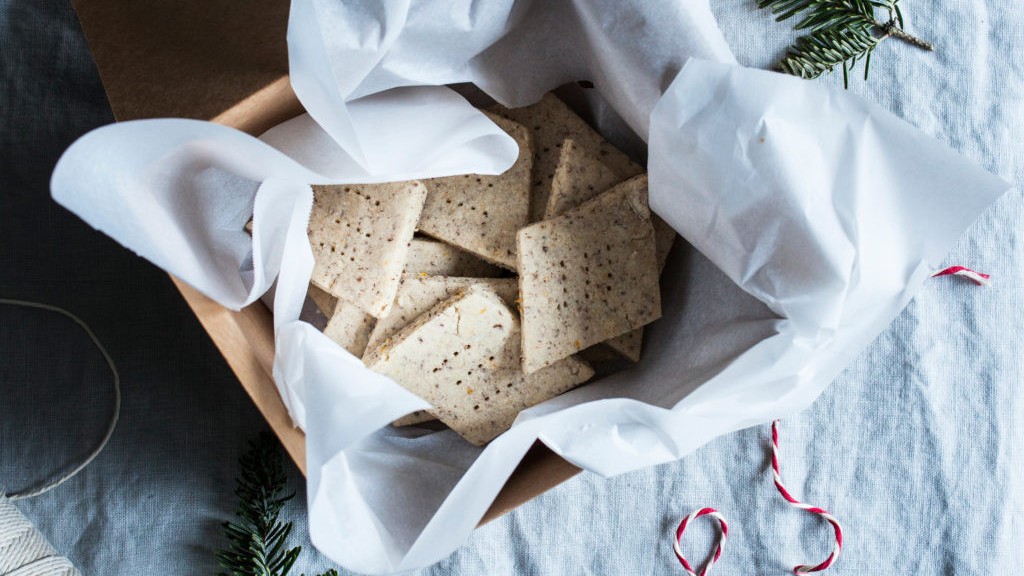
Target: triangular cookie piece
x: 350, y: 327
x: 579, y: 177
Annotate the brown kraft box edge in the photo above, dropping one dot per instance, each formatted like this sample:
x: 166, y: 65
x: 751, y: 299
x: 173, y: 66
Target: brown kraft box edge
x: 211, y: 61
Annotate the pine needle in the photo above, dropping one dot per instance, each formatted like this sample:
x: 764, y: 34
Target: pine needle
x: 820, y: 52
x: 839, y: 33
x: 257, y: 539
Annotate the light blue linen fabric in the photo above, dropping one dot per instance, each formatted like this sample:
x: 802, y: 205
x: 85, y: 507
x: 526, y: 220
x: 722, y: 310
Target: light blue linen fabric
x: 917, y: 448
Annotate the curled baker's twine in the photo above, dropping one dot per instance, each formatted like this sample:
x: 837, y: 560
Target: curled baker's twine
x: 29, y: 493
x: 976, y: 277
x: 720, y: 544
x: 777, y: 478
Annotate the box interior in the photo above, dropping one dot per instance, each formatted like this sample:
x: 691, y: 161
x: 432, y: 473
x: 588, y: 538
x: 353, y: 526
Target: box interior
x: 220, y: 61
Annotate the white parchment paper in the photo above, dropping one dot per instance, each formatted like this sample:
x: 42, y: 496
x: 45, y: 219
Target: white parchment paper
x: 824, y: 213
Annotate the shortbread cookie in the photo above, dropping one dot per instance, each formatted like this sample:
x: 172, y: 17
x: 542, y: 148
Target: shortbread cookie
x: 433, y: 258
x: 481, y: 214
x: 360, y: 236
x: 579, y: 177
x: 588, y: 275
x: 350, y: 327
x: 463, y: 358
x: 551, y: 121
x: 418, y: 295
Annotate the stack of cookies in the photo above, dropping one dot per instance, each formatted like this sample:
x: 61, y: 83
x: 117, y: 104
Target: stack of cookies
x: 479, y: 293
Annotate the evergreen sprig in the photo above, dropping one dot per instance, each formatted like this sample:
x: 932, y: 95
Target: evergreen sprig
x: 839, y: 33
x: 257, y: 540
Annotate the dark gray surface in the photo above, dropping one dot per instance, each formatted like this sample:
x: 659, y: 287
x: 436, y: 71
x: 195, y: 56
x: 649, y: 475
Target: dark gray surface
x: 185, y: 417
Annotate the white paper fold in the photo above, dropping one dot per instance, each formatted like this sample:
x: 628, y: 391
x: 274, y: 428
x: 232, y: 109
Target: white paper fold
x: 815, y: 217
x: 403, y: 134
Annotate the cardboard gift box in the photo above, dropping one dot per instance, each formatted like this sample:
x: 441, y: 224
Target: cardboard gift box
x: 795, y: 266
x: 214, y: 61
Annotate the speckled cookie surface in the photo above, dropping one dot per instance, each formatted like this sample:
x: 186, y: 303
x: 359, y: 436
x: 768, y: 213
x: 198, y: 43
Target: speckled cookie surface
x: 360, y: 237
x: 463, y: 358
x: 433, y: 258
x: 350, y: 327
x: 579, y: 177
x: 551, y: 121
x: 418, y: 295
x: 588, y: 275
x: 481, y: 214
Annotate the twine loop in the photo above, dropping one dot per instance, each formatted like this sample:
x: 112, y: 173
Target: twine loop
x: 24, y: 551
x: 719, y: 545
x: 821, y: 512
x: 28, y: 492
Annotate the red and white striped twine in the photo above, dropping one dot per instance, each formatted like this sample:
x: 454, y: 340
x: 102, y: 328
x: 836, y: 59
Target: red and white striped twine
x: 976, y: 277
x: 721, y: 540
x: 805, y: 568
x: 801, y: 569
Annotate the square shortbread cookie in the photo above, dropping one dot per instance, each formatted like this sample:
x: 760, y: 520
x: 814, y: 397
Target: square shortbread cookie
x: 579, y: 177
x: 481, y: 214
x: 463, y: 358
x: 588, y: 275
x: 360, y: 236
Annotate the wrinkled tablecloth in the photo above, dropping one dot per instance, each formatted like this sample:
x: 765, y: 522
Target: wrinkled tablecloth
x: 917, y: 448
